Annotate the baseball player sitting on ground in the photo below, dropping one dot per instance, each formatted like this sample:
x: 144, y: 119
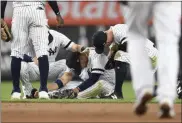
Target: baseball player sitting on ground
x: 100, y: 83
x: 118, y: 55
x: 30, y: 71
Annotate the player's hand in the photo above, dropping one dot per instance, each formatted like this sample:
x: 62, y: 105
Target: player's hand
x: 35, y: 60
x: 5, y: 32
x: 60, y: 20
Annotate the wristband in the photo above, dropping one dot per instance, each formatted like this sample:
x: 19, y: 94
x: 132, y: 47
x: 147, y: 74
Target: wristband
x: 58, y: 13
x: 59, y: 83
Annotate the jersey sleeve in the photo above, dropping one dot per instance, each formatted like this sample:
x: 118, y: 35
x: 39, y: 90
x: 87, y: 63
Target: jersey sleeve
x: 64, y: 41
x: 119, y: 32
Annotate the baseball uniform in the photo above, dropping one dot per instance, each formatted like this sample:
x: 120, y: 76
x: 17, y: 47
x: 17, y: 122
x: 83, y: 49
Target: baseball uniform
x: 166, y: 21
x: 30, y: 71
x: 106, y: 83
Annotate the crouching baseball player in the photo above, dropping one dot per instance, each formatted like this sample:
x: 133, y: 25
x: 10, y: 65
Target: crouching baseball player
x: 100, y: 82
x: 30, y: 71
x: 118, y: 55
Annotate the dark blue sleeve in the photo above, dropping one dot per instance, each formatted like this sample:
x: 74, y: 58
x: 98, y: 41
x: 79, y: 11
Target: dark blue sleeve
x: 27, y: 58
x: 3, y: 6
x: 89, y: 82
x: 54, y: 6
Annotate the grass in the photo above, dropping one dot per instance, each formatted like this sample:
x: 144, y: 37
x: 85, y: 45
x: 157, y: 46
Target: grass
x: 128, y: 92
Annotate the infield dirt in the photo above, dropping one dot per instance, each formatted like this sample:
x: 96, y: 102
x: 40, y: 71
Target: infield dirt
x: 79, y: 112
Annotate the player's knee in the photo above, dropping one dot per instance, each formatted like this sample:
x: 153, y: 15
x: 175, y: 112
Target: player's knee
x: 99, y: 84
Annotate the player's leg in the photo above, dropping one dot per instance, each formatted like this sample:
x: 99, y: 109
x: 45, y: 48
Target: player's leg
x: 121, y: 71
x: 142, y: 77
x: 56, y: 69
x: 91, y: 92
x: 18, y: 46
x: 29, y: 73
x: 107, y: 90
x: 39, y: 35
x: 167, y: 25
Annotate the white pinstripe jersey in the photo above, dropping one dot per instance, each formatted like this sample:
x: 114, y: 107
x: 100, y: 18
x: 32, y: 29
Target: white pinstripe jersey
x: 96, y: 64
x: 22, y: 3
x: 119, y: 32
x: 120, y: 36
x: 59, y: 40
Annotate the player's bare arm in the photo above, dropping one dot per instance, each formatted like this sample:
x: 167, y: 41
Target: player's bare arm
x: 60, y: 82
x: 77, y: 48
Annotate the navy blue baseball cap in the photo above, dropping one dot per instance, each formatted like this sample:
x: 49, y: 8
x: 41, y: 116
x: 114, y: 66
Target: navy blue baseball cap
x: 99, y: 40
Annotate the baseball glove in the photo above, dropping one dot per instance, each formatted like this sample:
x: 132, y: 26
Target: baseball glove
x: 69, y: 94
x: 5, y: 32
x: 66, y: 94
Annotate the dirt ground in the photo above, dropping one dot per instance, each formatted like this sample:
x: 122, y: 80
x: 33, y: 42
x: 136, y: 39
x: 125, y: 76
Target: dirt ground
x: 79, y: 112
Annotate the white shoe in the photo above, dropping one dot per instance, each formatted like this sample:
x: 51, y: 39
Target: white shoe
x: 140, y: 107
x: 16, y: 95
x: 43, y: 95
x: 166, y: 111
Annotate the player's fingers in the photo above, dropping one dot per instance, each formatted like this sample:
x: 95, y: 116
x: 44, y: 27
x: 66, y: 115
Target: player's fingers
x: 3, y: 34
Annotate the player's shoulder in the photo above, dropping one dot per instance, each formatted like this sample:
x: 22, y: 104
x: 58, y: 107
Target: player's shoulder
x: 93, y: 55
x: 119, y: 26
x: 55, y: 33
x: 149, y: 43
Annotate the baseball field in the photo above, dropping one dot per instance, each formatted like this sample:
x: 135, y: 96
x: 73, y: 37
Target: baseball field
x: 74, y: 110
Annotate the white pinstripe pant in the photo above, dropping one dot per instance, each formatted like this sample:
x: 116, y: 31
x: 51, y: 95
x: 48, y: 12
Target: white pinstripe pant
x: 101, y: 87
x: 30, y: 72
x: 29, y: 21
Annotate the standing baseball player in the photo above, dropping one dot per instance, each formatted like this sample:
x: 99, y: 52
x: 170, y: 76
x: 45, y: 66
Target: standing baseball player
x: 29, y: 20
x: 118, y: 55
x: 166, y: 21
x: 30, y: 72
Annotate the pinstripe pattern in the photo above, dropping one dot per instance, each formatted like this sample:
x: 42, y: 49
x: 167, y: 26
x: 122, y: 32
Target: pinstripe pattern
x: 119, y: 32
x: 150, y: 49
x: 97, y: 63
x: 101, y: 87
x: 22, y: 3
x: 30, y: 72
x: 28, y: 21
x: 106, y: 83
x: 59, y: 40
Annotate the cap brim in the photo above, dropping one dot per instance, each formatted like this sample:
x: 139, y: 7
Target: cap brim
x: 99, y: 50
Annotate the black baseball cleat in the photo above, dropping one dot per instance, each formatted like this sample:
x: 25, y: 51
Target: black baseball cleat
x: 112, y: 96
x: 140, y: 107
x: 34, y: 94
x: 179, y: 89
x: 166, y: 111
